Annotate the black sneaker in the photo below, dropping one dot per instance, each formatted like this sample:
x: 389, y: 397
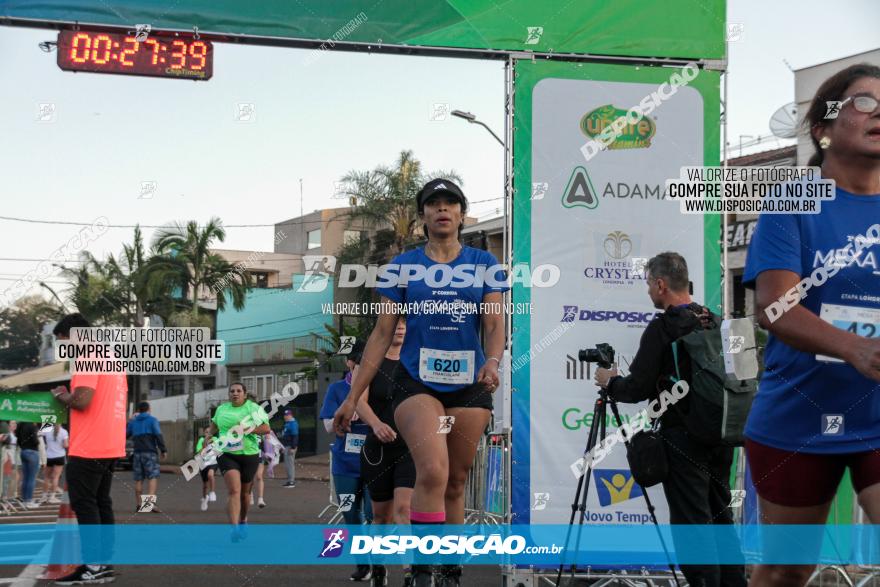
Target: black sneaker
x: 362, y: 573
x: 84, y: 575
x: 289, y: 484
x: 449, y: 576
x: 380, y: 576
x: 422, y: 576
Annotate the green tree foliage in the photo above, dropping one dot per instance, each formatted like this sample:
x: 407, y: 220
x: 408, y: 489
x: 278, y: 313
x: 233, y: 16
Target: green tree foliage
x: 21, y: 325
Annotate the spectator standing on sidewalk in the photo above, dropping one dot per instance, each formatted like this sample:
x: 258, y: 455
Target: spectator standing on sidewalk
x: 29, y: 443
x: 290, y: 440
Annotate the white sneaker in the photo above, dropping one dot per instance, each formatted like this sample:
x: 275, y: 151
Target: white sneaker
x: 212, y: 496
x: 261, y: 503
x: 54, y: 500
x: 204, y: 504
x: 32, y: 505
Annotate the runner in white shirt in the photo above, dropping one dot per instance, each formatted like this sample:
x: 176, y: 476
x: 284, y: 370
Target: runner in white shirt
x: 56, y: 439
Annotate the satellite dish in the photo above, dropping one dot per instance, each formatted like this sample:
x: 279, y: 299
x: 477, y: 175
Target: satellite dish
x: 783, y: 123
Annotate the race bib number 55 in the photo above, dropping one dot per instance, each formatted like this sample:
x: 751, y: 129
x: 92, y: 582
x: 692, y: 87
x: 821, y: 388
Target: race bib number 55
x: 454, y: 367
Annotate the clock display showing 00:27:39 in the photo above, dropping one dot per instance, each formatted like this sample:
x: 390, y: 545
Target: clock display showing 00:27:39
x: 107, y: 52
x: 99, y: 50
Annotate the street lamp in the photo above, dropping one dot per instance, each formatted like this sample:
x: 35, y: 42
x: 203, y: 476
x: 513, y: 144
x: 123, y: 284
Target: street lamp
x: 472, y: 119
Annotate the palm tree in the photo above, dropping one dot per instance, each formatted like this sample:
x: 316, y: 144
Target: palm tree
x: 94, y: 290
x: 184, y: 257
x: 327, y: 347
x: 386, y: 197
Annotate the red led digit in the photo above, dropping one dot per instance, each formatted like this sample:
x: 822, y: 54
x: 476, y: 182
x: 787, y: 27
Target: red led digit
x: 108, y: 44
x: 74, y: 46
x: 155, y: 49
x: 181, y: 55
x: 131, y: 51
x: 198, y: 50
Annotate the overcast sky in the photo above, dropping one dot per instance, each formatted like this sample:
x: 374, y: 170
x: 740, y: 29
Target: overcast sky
x: 314, y: 120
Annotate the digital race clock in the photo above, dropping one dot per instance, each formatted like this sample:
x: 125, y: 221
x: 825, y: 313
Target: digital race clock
x: 161, y: 56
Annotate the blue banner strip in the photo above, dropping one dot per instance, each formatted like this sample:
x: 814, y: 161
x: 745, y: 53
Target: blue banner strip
x: 216, y: 544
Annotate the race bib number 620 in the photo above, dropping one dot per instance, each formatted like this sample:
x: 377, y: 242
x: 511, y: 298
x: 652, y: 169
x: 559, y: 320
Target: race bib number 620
x: 446, y: 366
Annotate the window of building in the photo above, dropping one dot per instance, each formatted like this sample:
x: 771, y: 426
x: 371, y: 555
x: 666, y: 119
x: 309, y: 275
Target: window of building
x: 351, y: 236
x: 248, y: 383
x: 314, y: 239
x: 174, y: 387
x: 261, y: 280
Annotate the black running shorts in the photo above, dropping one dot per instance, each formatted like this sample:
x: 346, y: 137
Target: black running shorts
x: 385, y: 467
x: 472, y: 396
x: 246, y: 465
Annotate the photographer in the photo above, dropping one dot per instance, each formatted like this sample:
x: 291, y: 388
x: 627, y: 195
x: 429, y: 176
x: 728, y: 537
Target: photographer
x: 696, y: 486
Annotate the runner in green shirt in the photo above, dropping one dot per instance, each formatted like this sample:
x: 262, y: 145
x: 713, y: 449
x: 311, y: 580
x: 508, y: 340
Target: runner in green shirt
x: 238, y: 423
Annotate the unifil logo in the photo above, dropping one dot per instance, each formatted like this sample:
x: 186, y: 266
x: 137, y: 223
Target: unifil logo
x: 333, y: 542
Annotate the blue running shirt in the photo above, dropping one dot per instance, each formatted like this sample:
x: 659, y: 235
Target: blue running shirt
x: 442, y: 349
x: 800, y: 398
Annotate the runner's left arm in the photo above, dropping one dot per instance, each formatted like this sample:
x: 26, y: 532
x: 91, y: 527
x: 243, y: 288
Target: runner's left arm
x: 493, y: 329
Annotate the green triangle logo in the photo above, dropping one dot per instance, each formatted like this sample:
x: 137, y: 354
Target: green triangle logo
x: 580, y: 190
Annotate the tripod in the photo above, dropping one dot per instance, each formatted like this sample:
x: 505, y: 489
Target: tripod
x: 597, y: 433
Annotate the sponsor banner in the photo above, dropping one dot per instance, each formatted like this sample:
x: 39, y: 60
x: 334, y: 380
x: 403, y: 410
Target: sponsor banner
x: 598, y: 221
x: 31, y: 406
x: 632, y: 543
x: 625, y: 27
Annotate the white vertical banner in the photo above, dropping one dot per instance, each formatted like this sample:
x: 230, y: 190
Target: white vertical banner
x: 599, y: 220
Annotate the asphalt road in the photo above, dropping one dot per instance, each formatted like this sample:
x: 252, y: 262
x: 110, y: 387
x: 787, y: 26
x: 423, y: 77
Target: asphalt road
x: 179, y: 502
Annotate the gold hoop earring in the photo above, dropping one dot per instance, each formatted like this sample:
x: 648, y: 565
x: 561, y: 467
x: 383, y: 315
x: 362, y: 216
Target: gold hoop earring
x: 824, y: 143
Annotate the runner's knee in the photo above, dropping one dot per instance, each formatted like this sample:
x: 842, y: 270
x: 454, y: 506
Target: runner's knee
x: 432, y: 474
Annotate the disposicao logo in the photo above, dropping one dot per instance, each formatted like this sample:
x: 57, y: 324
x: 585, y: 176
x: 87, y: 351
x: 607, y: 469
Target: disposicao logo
x: 334, y: 539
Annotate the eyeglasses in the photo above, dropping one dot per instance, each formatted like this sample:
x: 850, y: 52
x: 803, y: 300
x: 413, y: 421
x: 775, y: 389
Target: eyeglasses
x: 863, y: 104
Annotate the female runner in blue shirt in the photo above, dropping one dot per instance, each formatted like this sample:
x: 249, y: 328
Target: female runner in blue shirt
x: 817, y: 411
x: 443, y: 370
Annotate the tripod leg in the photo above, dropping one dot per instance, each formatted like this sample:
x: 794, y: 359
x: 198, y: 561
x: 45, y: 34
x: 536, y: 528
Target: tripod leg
x: 648, y: 503
x: 580, y: 499
x: 597, y: 433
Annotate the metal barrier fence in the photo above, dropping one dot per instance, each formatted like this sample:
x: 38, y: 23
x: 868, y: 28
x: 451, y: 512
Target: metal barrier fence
x: 487, y: 491
x: 8, y: 505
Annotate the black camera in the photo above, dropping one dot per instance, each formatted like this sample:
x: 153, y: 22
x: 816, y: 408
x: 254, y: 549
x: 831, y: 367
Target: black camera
x: 602, y: 355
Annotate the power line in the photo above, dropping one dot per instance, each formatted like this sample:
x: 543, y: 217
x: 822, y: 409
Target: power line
x: 38, y: 260
x: 284, y: 223
x: 267, y: 323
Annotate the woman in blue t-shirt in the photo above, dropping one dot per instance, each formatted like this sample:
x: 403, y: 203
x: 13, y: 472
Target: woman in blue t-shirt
x: 444, y: 382
x: 817, y: 412
x: 351, y: 492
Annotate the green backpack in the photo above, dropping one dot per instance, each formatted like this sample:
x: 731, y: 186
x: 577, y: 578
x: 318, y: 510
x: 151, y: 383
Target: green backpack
x: 718, y: 404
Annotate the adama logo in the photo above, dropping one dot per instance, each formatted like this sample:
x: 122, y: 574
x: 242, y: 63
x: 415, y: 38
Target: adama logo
x: 334, y: 539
